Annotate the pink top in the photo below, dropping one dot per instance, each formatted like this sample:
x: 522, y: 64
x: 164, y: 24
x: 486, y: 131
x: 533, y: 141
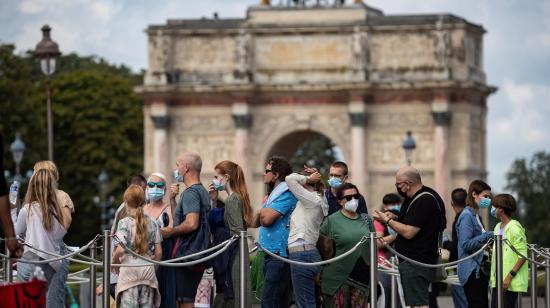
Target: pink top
x: 379, y: 227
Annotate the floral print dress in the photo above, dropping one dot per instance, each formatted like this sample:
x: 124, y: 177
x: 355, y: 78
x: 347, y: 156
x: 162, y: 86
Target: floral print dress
x: 137, y: 286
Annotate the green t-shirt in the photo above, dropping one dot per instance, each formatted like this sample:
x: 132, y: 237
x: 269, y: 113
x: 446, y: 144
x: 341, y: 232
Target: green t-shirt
x: 346, y: 232
x: 515, y: 234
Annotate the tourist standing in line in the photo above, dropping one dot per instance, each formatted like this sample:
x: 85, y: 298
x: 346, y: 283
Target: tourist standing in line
x: 238, y: 216
x: 338, y: 175
x: 458, y: 202
x: 418, y: 225
x: 471, y: 237
x: 160, y: 211
x: 190, y: 230
x: 136, y: 286
x: 42, y: 222
x: 514, y: 269
x: 5, y: 218
x: 274, y: 221
x: 346, y: 282
x: 304, y: 233
x: 390, y: 203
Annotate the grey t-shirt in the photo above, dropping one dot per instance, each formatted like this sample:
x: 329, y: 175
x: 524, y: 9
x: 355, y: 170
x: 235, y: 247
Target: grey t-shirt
x: 194, y: 199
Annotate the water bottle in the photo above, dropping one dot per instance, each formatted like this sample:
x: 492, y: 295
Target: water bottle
x: 14, y: 192
x: 39, y: 274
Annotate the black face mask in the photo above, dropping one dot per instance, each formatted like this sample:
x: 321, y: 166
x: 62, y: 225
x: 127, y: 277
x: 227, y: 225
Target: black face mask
x: 401, y: 193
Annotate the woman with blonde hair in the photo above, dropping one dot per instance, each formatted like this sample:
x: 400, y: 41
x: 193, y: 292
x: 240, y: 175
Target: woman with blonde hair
x: 43, y: 223
x: 137, y: 286
x: 229, y: 177
x: 64, y: 199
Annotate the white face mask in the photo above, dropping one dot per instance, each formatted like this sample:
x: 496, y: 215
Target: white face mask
x: 352, y: 205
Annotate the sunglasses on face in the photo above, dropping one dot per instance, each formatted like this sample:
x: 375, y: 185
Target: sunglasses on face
x: 158, y: 184
x: 267, y: 171
x: 349, y: 197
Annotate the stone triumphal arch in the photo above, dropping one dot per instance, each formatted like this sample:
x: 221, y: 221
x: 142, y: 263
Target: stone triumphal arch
x: 237, y: 88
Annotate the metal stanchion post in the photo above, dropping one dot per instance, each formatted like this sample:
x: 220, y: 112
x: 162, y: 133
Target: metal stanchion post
x: 547, y: 271
x: 393, y: 285
x: 243, y: 254
x: 106, y: 267
x: 498, y: 259
x: 373, y: 269
x: 8, y: 274
x: 533, y: 269
x: 93, y: 254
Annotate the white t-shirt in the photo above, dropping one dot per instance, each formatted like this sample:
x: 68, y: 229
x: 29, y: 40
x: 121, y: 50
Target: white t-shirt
x: 30, y: 226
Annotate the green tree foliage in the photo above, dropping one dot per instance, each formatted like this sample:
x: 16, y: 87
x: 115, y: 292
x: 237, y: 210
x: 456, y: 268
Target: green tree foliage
x: 317, y: 151
x: 98, y: 124
x: 531, y: 182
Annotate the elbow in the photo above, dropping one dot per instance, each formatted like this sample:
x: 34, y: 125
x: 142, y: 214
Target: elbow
x: 265, y: 221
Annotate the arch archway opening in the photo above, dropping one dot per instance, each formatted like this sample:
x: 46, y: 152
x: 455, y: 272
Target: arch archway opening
x: 309, y: 148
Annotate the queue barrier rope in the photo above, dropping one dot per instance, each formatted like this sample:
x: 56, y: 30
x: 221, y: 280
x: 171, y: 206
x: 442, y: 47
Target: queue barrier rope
x: 53, y: 259
x: 336, y: 258
x: 171, y: 263
x: 393, y: 251
x: 524, y: 257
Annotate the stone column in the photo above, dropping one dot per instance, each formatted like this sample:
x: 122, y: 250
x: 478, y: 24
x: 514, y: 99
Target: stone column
x: 243, y: 121
x: 159, y: 116
x: 442, y: 172
x: 358, y: 119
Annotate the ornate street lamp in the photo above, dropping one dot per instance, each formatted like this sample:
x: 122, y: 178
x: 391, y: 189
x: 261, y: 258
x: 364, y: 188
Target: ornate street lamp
x: 409, y: 145
x: 17, y: 149
x: 102, y: 201
x: 48, y: 51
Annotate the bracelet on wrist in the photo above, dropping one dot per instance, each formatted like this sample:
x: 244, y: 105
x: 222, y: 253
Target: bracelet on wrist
x: 388, y: 222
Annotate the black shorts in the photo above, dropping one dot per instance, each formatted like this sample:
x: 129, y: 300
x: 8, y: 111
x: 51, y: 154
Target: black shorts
x: 187, y: 282
x: 415, y: 281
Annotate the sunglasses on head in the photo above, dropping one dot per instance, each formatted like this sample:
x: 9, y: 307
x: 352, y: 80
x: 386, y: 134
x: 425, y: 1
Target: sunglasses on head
x: 349, y: 197
x: 152, y: 184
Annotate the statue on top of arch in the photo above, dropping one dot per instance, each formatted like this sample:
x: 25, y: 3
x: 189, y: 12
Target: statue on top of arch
x: 309, y: 3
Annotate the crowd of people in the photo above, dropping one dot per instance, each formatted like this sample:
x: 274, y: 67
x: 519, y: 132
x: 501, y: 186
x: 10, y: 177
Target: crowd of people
x: 298, y: 217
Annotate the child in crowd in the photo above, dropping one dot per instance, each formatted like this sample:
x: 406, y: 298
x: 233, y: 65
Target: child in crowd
x: 514, y: 272
x: 137, y: 286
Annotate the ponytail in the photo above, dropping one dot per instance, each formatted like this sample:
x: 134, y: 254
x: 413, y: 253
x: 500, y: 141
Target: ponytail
x: 141, y: 242
x: 134, y: 196
x: 239, y: 186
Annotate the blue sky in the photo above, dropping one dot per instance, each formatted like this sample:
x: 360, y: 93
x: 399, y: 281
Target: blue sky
x: 516, y: 55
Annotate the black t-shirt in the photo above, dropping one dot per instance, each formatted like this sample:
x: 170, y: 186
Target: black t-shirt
x: 3, y: 185
x: 425, y: 213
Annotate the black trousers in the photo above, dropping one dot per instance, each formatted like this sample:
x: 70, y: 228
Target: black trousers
x: 509, y: 299
x: 476, y: 290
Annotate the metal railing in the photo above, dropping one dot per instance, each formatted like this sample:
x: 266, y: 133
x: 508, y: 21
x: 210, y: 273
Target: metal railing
x: 537, y: 257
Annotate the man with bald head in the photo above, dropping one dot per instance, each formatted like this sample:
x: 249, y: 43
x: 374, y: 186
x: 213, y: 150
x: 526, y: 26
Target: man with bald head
x: 190, y: 230
x: 421, y: 219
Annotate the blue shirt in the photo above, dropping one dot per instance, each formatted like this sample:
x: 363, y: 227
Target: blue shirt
x: 275, y: 237
x: 470, y: 239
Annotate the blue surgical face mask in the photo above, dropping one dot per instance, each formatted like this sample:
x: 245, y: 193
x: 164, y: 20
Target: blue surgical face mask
x: 395, y: 208
x: 177, y: 176
x: 155, y: 194
x: 334, y: 182
x: 484, y: 203
x: 218, y: 185
x: 494, y: 212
